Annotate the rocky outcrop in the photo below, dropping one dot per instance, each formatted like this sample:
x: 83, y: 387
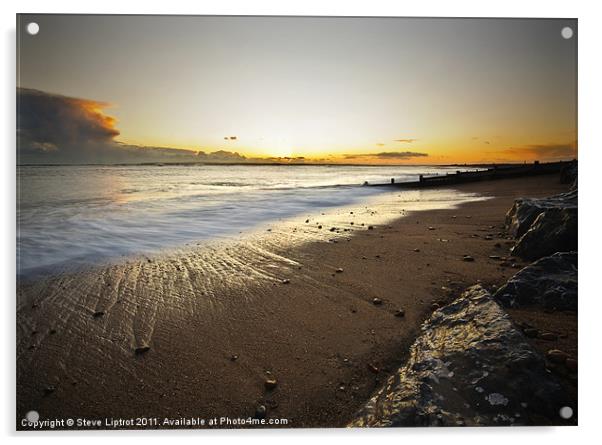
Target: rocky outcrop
x: 526, y: 210
x: 544, y: 226
x: 568, y: 175
x: 550, y: 282
x: 469, y: 366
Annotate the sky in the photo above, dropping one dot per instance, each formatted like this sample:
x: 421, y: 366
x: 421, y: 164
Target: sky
x: 295, y: 89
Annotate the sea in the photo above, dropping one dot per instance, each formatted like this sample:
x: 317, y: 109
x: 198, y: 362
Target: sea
x: 86, y: 214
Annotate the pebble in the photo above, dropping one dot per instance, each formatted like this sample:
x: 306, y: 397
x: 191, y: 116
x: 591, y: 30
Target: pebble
x: 416, y: 250
x: 377, y: 301
x: 431, y: 228
x: 286, y: 281
x: 49, y: 389
x: 467, y: 258
x: 494, y: 257
x: 548, y: 336
x: 556, y: 356
x: 141, y: 349
x: 400, y: 313
x: 260, y: 412
x: 233, y: 357
x: 271, y: 384
x: 319, y: 227
x: 373, y: 369
x: 370, y: 227
x: 339, y: 270
x: 98, y: 314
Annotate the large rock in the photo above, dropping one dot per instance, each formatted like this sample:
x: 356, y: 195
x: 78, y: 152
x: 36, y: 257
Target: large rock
x: 525, y: 211
x: 550, y: 282
x: 469, y: 366
x: 554, y: 230
x: 569, y: 175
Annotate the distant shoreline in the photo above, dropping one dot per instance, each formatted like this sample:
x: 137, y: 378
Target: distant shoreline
x: 279, y: 164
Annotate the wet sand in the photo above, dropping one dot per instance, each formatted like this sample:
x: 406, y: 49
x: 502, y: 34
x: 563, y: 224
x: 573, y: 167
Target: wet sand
x: 217, y: 332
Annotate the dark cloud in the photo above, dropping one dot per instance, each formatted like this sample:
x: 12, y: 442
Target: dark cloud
x: 51, y: 126
x: 387, y: 155
x: 545, y: 152
x: 407, y: 141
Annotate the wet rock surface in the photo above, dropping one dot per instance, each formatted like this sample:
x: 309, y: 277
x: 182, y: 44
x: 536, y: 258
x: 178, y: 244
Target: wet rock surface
x: 525, y: 211
x: 469, y: 366
x: 543, y: 226
x: 550, y: 282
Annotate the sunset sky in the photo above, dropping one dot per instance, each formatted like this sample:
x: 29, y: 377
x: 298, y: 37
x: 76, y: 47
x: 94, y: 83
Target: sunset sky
x: 358, y: 90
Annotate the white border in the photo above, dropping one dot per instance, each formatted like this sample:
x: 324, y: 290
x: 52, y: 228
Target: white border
x: 590, y: 147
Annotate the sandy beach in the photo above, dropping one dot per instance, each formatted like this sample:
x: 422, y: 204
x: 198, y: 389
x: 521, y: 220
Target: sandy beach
x: 308, y: 331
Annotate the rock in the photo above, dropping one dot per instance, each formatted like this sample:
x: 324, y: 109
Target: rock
x: 548, y: 336
x: 260, y: 412
x: 98, y: 314
x: 141, y: 349
x: 525, y: 210
x: 339, y: 270
x: 286, y: 281
x: 549, y: 282
x: 400, y: 313
x: 494, y: 257
x: 370, y: 227
x: 377, y: 301
x: 469, y: 365
x: 568, y: 175
x: 319, y: 227
x: 271, y: 384
x: 554, y: 230
x: 373, y: 369
x: 556, y: 356
x: 416, y: 250
x: 49, y: 390
x: 467, y: 258
x: 431, y: 228
x: 233, y: 357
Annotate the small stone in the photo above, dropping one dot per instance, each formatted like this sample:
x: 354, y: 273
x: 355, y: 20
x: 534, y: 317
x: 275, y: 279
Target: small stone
x: 431, y: 228
x: 416, y: 250
x: 98, y: 314
x: 556, y: 356
x: 286, y: 281
x: 548, y: 336
x: 141, y: 349
x: 370, y: 227
x: 306, y: 221
x: 319, y: 227
x: 332, y: 229
x: 260, y: 412
x: 467, y: 258
x: 339, y: 270
x: 373, y: 369
x: 271, y: 384
x: 435, y: 306
x: 233, y: 357
x: 400, y: 313
x: 49, y: 390
x: 494, y: 257
x: 377, y: 301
